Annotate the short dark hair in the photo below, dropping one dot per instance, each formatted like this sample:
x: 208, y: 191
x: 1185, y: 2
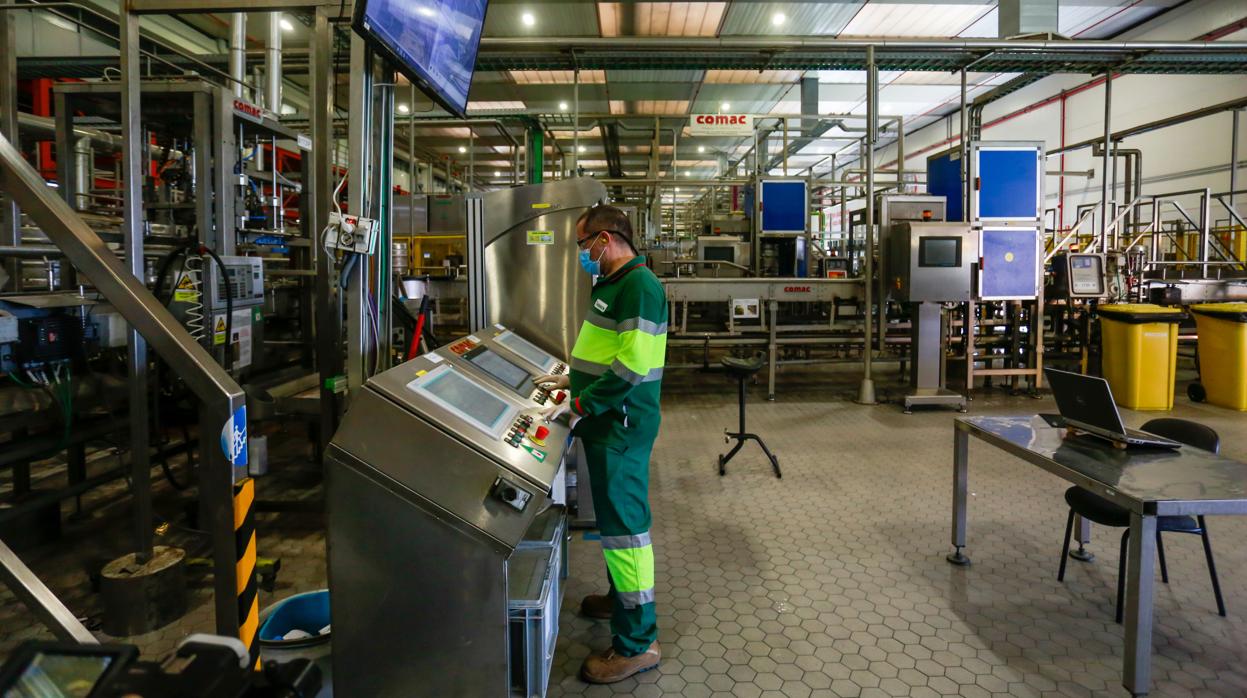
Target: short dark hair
x: 606, y: 217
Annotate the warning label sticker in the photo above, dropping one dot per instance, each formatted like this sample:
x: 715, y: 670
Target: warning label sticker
x: 218, y: 330
x: 184, y: 290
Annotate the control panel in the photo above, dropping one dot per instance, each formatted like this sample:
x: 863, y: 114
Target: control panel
x: 554, y: 397
x: 502, y: 366
x: 246, y: 283
x: 351, y: 234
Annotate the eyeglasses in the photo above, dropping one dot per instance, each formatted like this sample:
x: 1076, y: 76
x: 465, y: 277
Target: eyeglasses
x: 580, y: 242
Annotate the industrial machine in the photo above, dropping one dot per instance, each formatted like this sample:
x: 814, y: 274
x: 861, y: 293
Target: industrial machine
x: 722, y: 248
x: 931, y: 264
x: 434, y: 481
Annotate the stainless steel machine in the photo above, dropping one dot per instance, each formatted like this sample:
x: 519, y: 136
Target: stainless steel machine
x: 433, y: 482
x: 528, y: 275
x: 931, y: 265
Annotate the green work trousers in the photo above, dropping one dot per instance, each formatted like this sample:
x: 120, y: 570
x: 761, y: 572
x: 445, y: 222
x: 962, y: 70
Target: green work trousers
x: 619, y: 478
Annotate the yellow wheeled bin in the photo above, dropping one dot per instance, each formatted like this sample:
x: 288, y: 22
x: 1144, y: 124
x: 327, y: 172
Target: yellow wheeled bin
x: 1222, y: 331
x: 1140, y: 353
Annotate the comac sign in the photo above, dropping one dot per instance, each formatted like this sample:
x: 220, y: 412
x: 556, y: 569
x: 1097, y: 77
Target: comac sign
x: 721, y: 124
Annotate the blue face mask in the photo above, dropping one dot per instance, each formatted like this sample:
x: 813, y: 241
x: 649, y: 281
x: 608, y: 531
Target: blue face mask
x: 593, y: 267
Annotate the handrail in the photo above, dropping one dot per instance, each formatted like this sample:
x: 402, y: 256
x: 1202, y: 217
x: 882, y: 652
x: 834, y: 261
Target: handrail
x: 85, y: 250
x: 40, y: 600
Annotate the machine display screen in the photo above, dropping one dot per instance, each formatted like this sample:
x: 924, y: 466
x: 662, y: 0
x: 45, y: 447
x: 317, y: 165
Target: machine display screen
x: 465, y: 397
x: 59, y: 676
x: 491, y: 362
x: 719, y: 253
x: 1086, y: 275
x: 939, y: 252
x: 433, y: 42
x: 526, y: 350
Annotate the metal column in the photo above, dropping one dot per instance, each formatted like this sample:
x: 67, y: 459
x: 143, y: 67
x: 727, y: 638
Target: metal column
x: 1105, y: 166
x: 866, y: 392
x: 10, y: 216
x: 238, y: 52
x: 272, y: 65
x: 358, y: 342
x: 328, y: 312
x: 132, y: 232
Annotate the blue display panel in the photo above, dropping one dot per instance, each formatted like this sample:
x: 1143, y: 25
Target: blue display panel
x: 432, y: 42
x: 1007, y: 183
x: 944, y: 179
x: 1010, y: 264
x: 785, y: 207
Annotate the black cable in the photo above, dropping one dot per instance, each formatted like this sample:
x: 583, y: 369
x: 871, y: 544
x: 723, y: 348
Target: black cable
x: 229, y: 306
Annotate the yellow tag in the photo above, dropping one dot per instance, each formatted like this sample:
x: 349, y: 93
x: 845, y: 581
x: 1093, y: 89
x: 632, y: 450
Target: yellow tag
x: 542, y: 205
x: 421, y: 372
x: 218, y: 330
x: 184, y: 291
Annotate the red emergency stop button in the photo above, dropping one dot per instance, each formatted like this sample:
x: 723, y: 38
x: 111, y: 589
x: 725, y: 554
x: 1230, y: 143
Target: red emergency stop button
x: 559, y: 397
x: 541, y: 434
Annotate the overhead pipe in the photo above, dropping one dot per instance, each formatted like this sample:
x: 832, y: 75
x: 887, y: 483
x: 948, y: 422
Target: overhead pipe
x: 698, y: 44
x: 46, y: 125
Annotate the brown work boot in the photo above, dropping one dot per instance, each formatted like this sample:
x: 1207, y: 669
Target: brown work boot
x: 598, y: 606
x: 608, y: 666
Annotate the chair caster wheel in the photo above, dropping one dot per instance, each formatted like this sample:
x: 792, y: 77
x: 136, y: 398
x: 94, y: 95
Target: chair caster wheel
x: 909, y: 411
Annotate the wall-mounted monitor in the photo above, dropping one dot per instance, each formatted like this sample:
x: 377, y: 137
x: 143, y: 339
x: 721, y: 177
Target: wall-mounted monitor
x: 432, y: 42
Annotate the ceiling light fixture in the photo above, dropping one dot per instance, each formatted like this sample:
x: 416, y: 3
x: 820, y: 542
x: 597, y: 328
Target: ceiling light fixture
x: 701, y: 148
x: 528, y: 19
x: 580, y: 149
x: 463, y: 149
x: 403, y: 109
x: 779, y: 18
x: 726, y: 106
x: 497, y: 173
x: 562, y: 106
x: 286, y: 26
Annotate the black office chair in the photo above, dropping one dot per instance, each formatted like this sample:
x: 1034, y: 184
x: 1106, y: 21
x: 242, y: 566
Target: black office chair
x: 1096, y: 509
x: 741, y: 370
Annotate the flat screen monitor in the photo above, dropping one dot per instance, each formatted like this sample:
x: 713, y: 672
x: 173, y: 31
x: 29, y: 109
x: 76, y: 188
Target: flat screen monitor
x: 526, y: 350
x: 504, y: 370
x: 432, y: 42
x: 939, y: 251
x: 466, y: 398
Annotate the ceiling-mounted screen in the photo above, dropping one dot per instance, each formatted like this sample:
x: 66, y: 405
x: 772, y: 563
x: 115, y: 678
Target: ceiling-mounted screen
x: 432, y: 42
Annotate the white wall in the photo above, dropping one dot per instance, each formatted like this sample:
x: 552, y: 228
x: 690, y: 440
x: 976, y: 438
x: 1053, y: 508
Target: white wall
x: 1187, y: 156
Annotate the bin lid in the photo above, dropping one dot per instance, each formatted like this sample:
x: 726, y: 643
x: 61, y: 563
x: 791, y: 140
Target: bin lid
x: 527, y: 575
x: 1141, y: 313
x: 1223, y: 311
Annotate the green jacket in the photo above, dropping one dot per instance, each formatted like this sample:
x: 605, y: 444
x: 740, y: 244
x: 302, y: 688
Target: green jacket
x: 616, y: 366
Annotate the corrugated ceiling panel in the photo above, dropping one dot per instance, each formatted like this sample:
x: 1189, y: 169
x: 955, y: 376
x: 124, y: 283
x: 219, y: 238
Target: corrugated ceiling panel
x: 631, y: 76
x: 552, y: 19
x: 1115, y: 24
x: 495, y: 106
x: 649, y: 106
x: 800, y: 18
x: 942, y: 20
x: 752, y: 77
x: 557, y: 77
x: 660, y: 18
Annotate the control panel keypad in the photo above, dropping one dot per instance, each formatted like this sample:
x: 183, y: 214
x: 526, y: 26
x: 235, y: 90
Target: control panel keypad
x: 519, y: 428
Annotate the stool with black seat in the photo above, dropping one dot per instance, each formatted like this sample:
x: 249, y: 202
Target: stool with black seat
x: 1096, y: 509
x: 742, y: 370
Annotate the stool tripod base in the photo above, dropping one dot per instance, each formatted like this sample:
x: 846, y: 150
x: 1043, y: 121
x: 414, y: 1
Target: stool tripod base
x: 741, y: 438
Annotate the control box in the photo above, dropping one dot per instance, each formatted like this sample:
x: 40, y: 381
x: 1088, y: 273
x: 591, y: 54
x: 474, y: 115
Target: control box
x: 352, y: 234
x: 1079, y: 275
x: 932, y: 261
x: 246, y: 282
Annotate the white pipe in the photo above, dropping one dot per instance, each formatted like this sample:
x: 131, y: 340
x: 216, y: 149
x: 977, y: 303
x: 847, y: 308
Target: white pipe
x: 272, y: 64
x: 238, y: 51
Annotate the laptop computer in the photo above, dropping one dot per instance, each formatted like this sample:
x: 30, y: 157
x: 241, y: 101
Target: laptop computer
x: 1086, y: 403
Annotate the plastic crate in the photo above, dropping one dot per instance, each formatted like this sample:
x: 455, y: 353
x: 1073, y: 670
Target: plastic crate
x: 549, y: 529
x: 534, y: 597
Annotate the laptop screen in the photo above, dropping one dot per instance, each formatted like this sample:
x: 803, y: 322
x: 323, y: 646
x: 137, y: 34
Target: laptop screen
x: 1085, y: 399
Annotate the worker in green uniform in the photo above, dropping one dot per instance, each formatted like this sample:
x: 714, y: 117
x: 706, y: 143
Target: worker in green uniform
x: 615, y: 381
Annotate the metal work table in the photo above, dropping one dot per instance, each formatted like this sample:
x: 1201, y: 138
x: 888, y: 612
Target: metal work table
x: 1149, y: 483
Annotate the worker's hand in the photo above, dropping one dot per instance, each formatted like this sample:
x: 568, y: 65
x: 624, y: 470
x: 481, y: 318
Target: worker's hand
x: 552, y: 382
x: 549, y: 414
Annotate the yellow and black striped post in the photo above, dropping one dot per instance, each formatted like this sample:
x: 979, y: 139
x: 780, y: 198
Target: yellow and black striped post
x: 244, y: 551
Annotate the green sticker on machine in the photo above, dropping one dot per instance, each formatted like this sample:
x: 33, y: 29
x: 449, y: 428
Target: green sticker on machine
x: 541, y: 237
x: 218, y: 330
